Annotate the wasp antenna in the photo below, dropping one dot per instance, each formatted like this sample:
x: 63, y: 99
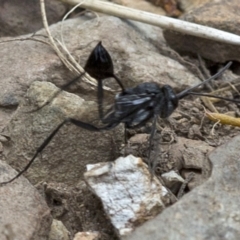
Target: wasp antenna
x: 213, y: 96
x: 186, y: 92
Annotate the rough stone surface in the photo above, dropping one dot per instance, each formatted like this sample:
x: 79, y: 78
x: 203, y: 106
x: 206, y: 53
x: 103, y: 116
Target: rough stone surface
x: 65, y: 158
x: 18, y: 18
x: 210, y: 211
x: 172, y: 180
x: 87, y: 236
x: 125, y: 188
x: 58, y: 231
x: 24, y: 214
x: 188, y: 5
x: 188, y: 154
x: 223, y: 15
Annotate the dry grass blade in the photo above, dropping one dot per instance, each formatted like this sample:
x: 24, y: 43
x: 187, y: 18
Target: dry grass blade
x: 32, y: 38
x: 223, y: 118
x: 207, y: 102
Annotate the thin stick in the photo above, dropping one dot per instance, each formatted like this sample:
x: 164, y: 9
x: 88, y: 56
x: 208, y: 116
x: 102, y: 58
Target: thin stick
x: 157, y: 20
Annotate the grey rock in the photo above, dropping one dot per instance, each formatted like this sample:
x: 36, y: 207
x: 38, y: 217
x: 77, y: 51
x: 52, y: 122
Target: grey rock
x: 222, y: 15
x: 194, y: 153
x: 139, y: 138
x: 18, y: 18
x: 128, y: 193
x: 58, y: 231
x: 196, y: 178
x: 172, y: 180
x: 187, y: 154
x: 87, y: 236
x: 188, y: 5
x: 24, y: 213
x: 210, y: 211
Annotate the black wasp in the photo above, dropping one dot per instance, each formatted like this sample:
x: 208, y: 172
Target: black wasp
x: 133, y: 106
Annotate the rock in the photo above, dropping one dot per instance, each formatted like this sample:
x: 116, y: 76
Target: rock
x: 128, y: 194
x: 172, y: 180
x: 188, y: 5
x: 58, y: 231
x: 87, y: 236
x: 65, y: 158
x: 194, y: 153
x: 139, y: 138
x: 136, y: 145
x: 210, y: 211
x: 187, y: 154
x: 193, y: 158
x: 18, y: 18
x: 24, y: 213
x: 222, y: 15
x: 196, y: 179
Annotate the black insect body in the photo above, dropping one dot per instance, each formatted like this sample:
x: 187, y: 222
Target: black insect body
x: 136, y: 106
x: 133, y: 106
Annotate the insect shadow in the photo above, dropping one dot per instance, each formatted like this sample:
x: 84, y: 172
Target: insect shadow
x: 133, y: 106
